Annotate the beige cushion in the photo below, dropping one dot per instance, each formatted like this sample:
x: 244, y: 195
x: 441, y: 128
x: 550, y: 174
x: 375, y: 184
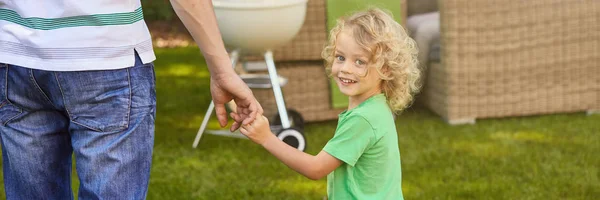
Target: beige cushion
x: 425, y: 30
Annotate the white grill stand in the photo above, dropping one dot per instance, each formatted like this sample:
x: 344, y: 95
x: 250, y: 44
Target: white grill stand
x: 285, y: 123
x: 275, y: 84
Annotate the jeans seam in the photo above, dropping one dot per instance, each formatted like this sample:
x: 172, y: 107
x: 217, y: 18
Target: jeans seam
x: 153, y: 74
x: 130, y: 99
x: 6, y: 83
x: 10, y: 119
x: 39, y: 88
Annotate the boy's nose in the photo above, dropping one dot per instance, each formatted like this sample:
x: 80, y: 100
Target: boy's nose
x: 346, y: 68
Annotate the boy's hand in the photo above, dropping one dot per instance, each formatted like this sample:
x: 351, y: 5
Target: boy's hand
x: 258, y: 131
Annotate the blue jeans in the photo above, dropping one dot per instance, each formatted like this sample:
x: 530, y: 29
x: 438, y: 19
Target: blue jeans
x: 106, y: 118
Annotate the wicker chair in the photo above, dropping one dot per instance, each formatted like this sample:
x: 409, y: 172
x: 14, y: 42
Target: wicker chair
x: 515, y: 58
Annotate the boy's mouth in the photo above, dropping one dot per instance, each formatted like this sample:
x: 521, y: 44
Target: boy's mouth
x: 346, y: 81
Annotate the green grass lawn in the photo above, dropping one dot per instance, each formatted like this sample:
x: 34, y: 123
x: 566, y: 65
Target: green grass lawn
x: 541, y: 157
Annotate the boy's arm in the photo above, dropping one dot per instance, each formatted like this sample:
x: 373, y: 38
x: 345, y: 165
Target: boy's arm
x: 313, y: 167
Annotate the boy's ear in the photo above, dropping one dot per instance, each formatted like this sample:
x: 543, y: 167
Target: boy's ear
x: 385, y: 70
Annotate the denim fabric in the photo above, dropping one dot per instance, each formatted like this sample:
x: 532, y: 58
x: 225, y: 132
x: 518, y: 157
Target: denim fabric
x: 106, y: 118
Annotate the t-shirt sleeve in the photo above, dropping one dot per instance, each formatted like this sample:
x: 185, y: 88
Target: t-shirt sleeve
x: 352, y: 138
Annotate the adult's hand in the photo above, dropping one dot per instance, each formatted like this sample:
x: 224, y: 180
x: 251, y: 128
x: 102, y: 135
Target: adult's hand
x: 227, y: 87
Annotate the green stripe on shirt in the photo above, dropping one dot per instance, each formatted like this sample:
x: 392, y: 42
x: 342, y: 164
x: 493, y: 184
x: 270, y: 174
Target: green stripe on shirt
x: 75, y: 21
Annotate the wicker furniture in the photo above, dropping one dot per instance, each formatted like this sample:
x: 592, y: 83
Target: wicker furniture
x: 515, y: 58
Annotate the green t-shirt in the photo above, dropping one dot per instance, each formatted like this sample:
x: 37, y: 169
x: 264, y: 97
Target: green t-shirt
x: 367, y: 142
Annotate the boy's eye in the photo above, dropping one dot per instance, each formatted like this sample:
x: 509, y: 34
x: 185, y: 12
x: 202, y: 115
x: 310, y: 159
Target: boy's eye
x: 340, y: 58
x: 359, y: 62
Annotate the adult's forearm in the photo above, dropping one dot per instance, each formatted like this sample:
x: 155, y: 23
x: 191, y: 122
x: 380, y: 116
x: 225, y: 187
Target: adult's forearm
x: 198, y: 17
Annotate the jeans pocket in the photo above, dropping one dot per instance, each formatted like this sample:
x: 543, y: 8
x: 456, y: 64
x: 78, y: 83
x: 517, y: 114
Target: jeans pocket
x: 8, y: 111
x: 98, y: 100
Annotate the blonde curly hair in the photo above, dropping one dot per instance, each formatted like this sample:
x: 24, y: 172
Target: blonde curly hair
x: 393, y: 53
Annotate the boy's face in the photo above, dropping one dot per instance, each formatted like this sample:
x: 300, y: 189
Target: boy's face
x: 349, y: 67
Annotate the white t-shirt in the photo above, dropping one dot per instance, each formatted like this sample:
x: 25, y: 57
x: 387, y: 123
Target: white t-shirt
x: 73, y: 35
